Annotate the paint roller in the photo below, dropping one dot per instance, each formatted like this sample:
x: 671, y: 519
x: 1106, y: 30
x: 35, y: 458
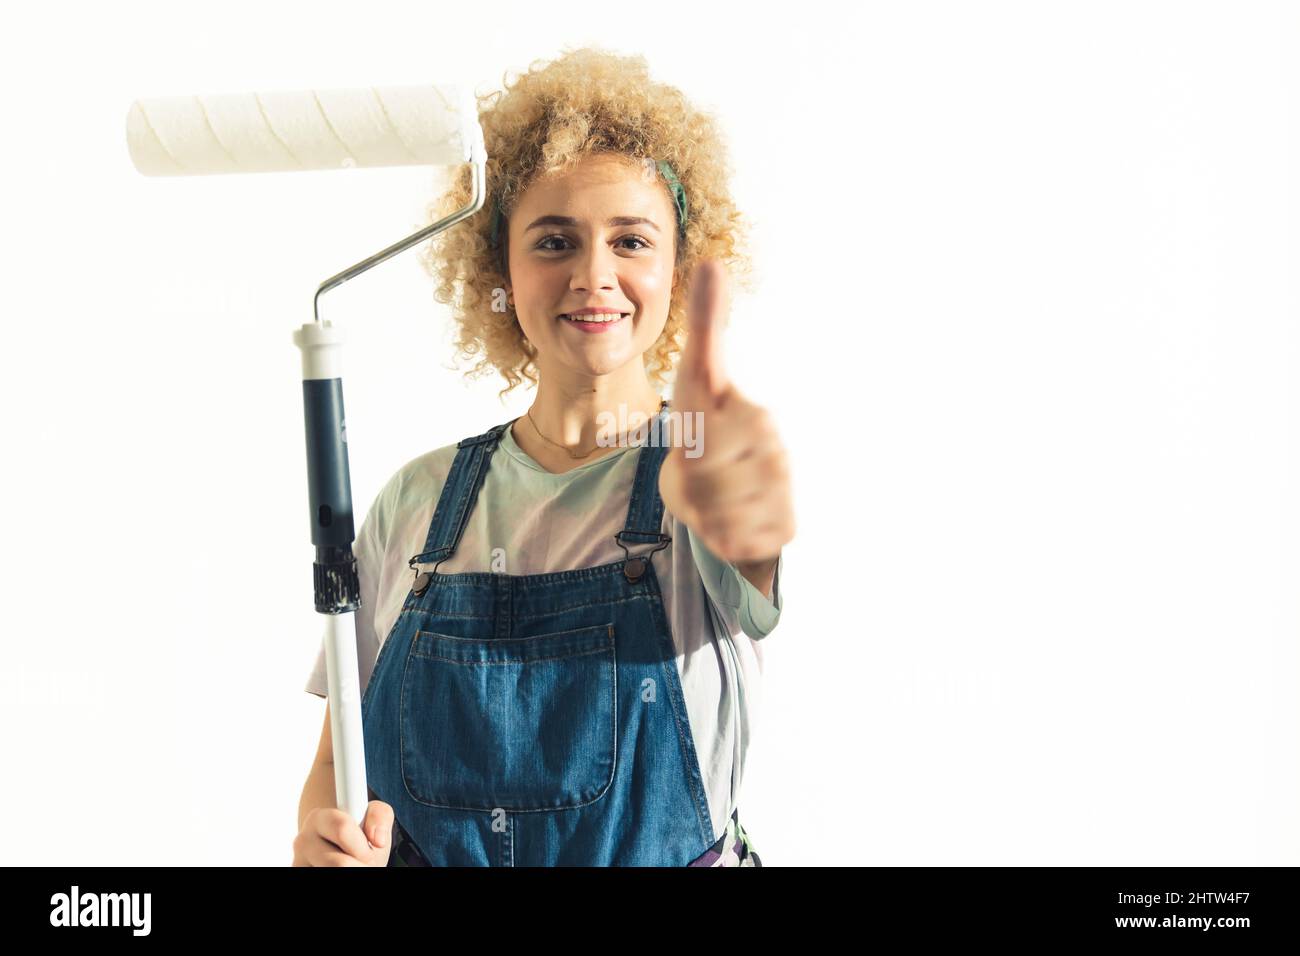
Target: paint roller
x: 318, y: 130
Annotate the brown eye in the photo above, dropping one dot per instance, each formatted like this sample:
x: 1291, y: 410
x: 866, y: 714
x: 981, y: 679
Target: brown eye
x: 542, y: 244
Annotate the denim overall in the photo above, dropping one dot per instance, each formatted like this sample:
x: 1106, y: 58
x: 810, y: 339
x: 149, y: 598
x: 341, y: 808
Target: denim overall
x: 539, y: 719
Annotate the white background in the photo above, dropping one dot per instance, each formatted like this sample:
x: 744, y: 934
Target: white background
x: 1026, y: 317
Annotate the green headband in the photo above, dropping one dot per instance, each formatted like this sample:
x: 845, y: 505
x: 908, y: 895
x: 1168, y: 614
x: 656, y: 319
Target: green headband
x: 674, y: 185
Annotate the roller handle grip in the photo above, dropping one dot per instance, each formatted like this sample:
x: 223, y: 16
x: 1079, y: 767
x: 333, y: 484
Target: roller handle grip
x: 330, y: 497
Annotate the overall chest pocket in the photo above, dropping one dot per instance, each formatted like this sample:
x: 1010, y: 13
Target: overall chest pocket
x: 519, y: 724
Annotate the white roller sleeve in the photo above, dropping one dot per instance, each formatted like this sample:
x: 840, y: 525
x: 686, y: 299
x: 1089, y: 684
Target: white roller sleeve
x: 300, y: 130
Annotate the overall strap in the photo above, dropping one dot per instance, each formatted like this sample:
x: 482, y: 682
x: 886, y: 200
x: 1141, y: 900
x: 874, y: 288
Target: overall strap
x: 645, y: 510
x: 468, y: 469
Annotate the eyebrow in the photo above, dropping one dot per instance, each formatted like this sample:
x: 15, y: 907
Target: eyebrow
x: 570, y: 221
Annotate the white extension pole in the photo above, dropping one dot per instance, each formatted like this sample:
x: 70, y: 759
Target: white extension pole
x: 345, y: 714
x: 337, y: 586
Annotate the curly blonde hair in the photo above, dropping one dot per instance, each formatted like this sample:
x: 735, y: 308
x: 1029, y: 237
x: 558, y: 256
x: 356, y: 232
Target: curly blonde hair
x: 586, y: 101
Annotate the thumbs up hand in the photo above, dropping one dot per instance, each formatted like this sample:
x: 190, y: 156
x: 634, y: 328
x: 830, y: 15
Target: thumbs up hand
x: 732, y: 488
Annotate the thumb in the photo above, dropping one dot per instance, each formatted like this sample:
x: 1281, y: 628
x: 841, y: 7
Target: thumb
x: 702, y: 374
x: 379, y: 823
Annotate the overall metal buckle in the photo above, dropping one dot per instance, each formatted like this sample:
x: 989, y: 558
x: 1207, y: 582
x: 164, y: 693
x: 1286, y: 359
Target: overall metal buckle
x: 422, y: 578
x: 634, y: 567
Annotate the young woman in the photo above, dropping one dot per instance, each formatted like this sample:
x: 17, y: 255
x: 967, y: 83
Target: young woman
x: 558, y: 641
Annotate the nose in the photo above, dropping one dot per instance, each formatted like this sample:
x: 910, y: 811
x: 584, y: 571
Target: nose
x: 594, y: 268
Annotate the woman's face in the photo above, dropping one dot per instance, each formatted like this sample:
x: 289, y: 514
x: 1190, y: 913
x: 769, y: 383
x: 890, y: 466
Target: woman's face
x: 593, y: 256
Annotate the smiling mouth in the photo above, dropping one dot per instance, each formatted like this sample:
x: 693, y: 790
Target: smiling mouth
x: 604, y: 319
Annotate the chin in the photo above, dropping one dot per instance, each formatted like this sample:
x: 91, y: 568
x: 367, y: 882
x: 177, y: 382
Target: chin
x: 602, y: 364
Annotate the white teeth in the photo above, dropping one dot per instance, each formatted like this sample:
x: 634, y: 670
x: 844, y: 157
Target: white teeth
x: 595, y: 317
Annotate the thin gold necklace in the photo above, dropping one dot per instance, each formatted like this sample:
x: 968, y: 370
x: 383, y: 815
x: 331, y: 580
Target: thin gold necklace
x: 662, y: 405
